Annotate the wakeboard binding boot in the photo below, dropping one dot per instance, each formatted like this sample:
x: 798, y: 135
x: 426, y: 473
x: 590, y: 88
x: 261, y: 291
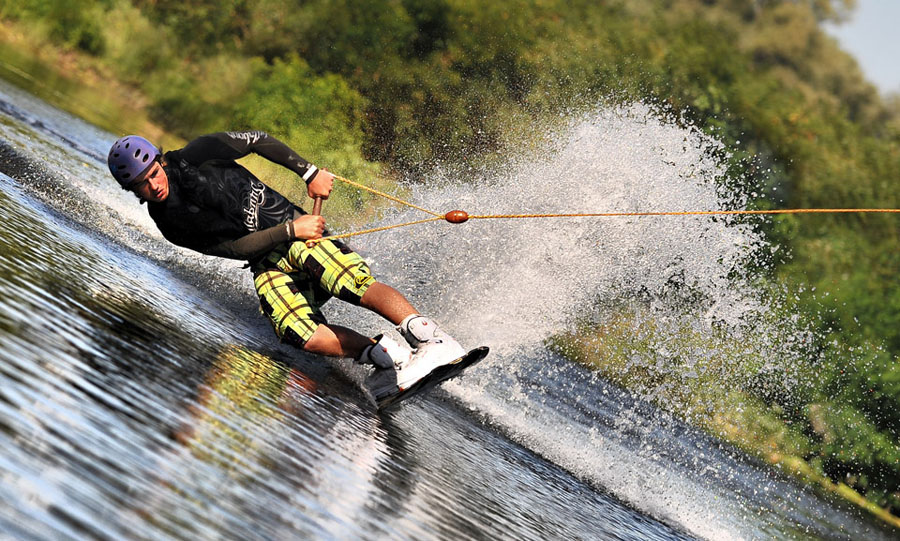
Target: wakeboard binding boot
x: 388, y: 357
x: 385, y: 353
x: 432, y: 348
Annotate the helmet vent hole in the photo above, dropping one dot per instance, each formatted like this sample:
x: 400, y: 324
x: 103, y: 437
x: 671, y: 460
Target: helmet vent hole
x: 145, y: 158
x: 126, y: 175
x: 137, y: 153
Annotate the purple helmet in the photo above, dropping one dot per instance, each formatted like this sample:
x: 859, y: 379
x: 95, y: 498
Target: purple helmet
x: 129, y: 158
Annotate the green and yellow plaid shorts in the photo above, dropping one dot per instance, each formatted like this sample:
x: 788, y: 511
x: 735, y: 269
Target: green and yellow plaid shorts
x: 294, y: 281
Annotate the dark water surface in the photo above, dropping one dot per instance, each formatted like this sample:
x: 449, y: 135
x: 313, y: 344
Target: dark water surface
x: 142, y: 397
x: 131, y: 407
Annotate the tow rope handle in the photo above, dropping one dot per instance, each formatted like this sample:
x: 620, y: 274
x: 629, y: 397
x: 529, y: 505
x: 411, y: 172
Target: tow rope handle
x: 316, y: 211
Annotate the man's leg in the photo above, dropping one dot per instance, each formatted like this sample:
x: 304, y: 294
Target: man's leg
x: 345, y: 275
x: 387, y: 302
x: 337, y: 341
x: 291, y: 301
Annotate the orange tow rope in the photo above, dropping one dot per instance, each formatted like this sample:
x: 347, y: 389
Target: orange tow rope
x: 461, y: 216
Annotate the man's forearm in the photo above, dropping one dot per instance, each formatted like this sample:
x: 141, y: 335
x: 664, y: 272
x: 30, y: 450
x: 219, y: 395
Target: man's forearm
x: 253, y: 245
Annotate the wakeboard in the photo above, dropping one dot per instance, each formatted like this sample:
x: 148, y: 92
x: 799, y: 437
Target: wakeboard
x: 434, y: 378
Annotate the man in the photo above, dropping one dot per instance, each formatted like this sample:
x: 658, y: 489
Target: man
x: 200, y: 198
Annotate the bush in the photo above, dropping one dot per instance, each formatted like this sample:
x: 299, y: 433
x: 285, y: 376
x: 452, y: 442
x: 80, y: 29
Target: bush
x: 67, y: 22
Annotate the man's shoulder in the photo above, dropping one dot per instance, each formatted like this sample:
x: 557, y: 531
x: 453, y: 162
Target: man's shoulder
x: 173, y: 157
x: 247, y: 137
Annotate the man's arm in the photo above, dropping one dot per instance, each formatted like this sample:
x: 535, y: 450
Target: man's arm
x: 259, y: 243
x: 253, y: 245
x: 236, y: 145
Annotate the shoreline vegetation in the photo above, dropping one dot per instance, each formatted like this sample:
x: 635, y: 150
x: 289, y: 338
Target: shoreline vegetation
x: 387, y: 90
x: 697, y: 395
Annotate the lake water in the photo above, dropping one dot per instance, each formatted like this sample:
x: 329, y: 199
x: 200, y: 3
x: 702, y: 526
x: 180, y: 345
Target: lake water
x: 142, y: 395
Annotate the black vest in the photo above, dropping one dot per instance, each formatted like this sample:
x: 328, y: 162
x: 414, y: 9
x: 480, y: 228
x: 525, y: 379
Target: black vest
x: 214, y: 202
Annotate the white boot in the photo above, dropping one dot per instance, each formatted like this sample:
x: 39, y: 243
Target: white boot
x: 385, y: 353
x: 433, y: 348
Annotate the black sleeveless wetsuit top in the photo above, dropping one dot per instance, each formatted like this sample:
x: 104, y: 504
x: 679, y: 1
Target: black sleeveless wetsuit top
x: 217, y: 207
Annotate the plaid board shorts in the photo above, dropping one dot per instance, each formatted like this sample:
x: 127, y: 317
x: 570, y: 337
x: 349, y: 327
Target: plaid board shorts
x: 294, y: 281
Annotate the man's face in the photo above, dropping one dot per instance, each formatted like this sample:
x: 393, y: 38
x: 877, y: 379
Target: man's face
x: 155, y: 186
